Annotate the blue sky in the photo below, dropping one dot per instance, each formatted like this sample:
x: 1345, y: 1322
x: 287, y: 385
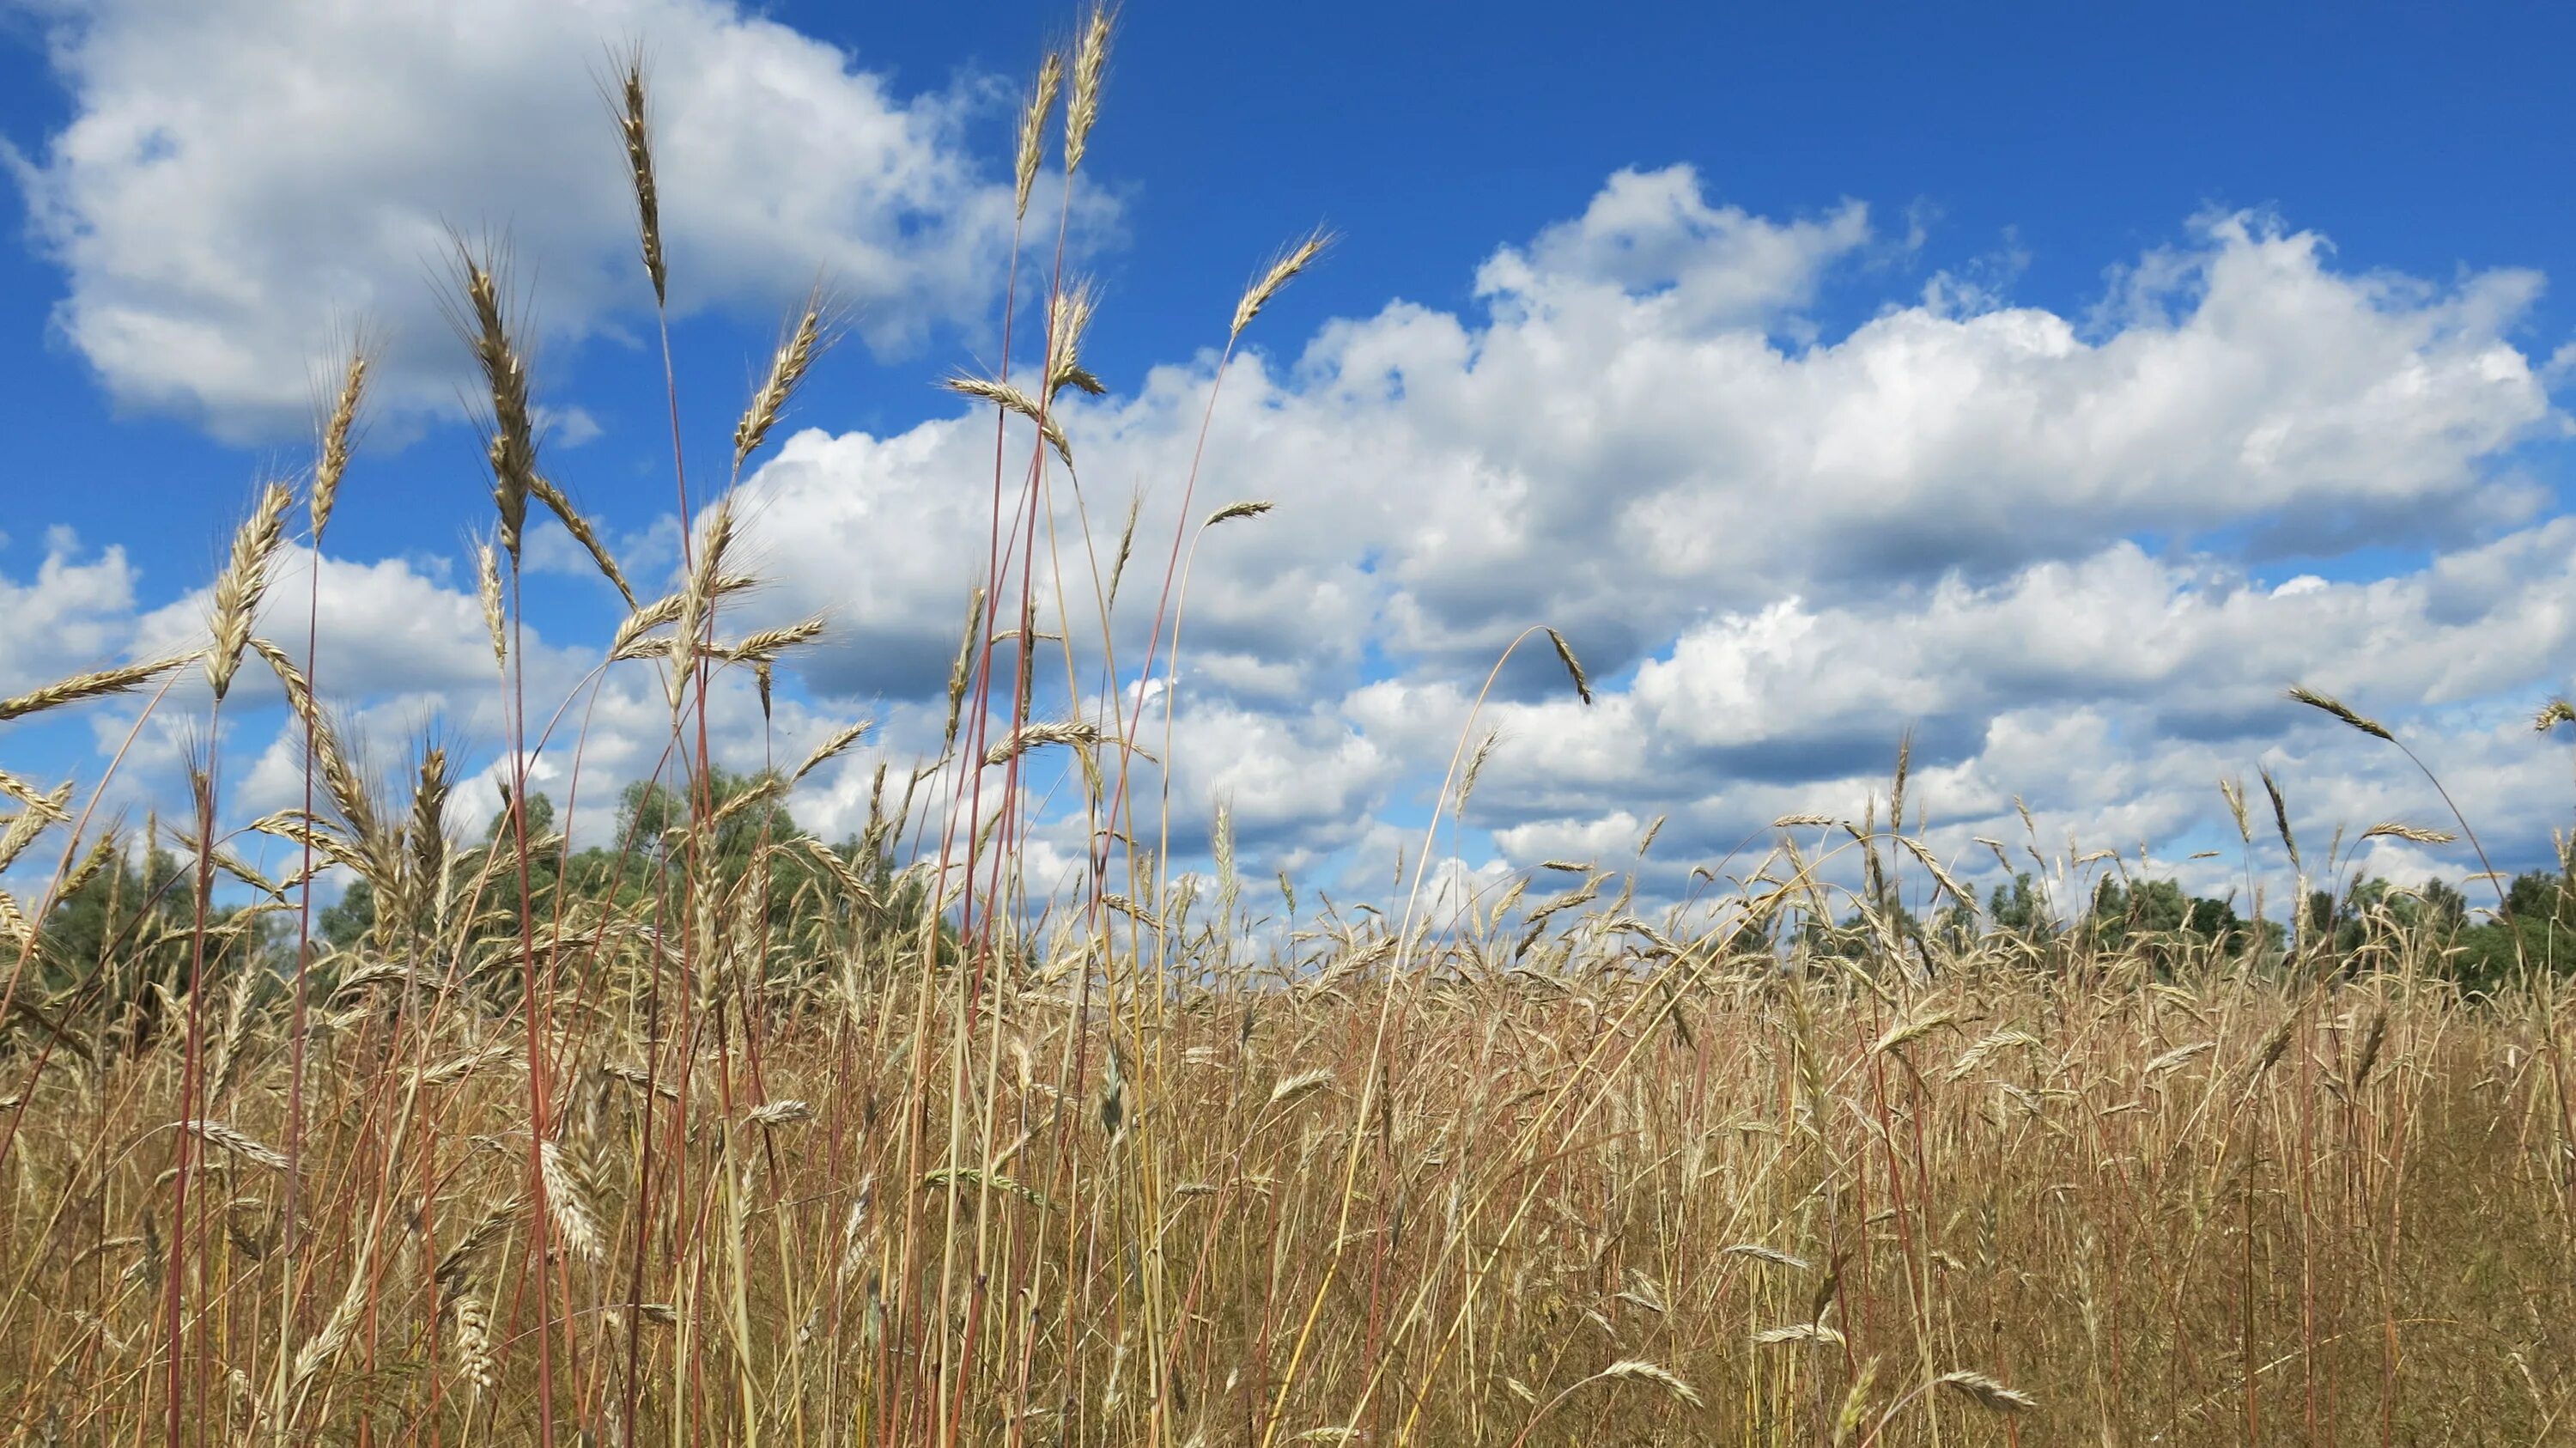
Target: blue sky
x: 1979, y: 176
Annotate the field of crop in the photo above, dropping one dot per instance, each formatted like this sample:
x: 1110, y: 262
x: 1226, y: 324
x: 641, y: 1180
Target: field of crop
x: 716, y: 1132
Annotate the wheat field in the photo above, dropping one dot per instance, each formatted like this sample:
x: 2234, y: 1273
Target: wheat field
x: 717, y: 1132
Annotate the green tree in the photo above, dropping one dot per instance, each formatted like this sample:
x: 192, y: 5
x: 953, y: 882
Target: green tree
x: 2157, y: 916
x: 2535, y: 933
x: 2023, y: 909
x: 2444, y: 908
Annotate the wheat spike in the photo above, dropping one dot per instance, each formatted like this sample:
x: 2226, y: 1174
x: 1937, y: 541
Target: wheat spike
x: 513, y: 448
x: 2374, y: 1035
x: 2281, y: 815
x: 1638, y: 1370
x: 961, y: 672
x: 474, y: 1360
x: 21, y: 829
x: 1248, y: 509
x: 2413, y: 834
x: 765, y: 646
x: 1068, y: 317
x: 569, y: 1205
x: 1080, y: 733
x: 830, y: 749
x: 1275, y: 278
x: 1032, y: 142
x: 331, y: 452
x: 2175, y: 1058
x: 787, y: 367
x: 455, y: 1069
x: 2234, y: 792
x: 52, y: 806
x: 579, y: 527
x: 2342, y: 711
x: 1565, y: 655
x: 1476, y: 765
x: 240, y: 1144
x: 688, y: 634
x: 1987, y: 1393
x: 1126, y: 543
x: 1911, y: 1029
x: 1940, y: 874
x: 1855, y: 1403
x: 1012, y: 399
x: 1090, y: 62
x: 323, y: 1346
x: 239, y: 587
x: 1988, y: 1046
x: 1292, y: 1087
x: 103, y: 851
x: 487, y: 590
x: 455, y: 1269
x: 632, y: 106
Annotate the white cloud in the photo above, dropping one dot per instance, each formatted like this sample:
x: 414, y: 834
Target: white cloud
x: 1653, y: 236
x: 71, y: 616
x: 2187, y: 642
x: 1607, y: 838
x: 1305, y: 780
x: 239, y: 176
x: 382, y: 628
x: 1613, y: 457
x: 2112, y: 694
x: 1780, y: 555
x: 1602, y: 452
x: 1776, y: 549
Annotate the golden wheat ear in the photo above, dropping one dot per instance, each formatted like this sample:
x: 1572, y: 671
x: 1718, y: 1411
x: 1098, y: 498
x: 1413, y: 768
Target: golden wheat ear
x: 512, y: 450
x: 582, y: 533
x: 630, y: 104
x: 337, y: 437
x: 787, y: 367
x: 1090, y: 68
x: 1275, y: 278
x: 96, y: 685
x: 1032, y: 138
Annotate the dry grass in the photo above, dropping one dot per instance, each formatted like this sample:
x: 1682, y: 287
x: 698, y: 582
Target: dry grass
x: 765, y: 1141
x: 2105, y: 1222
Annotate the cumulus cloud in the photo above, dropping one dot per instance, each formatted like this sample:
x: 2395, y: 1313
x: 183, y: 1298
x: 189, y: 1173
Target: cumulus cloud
x: 2041, y: 541
x: 240, y: 176
x: 2078, y: 552
x: 1653, y: 236
x: 71, y: 614
x: 2108, y: 694
x: 381, y: 628
x: 1622, y: 443
x: 2200, y: 647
